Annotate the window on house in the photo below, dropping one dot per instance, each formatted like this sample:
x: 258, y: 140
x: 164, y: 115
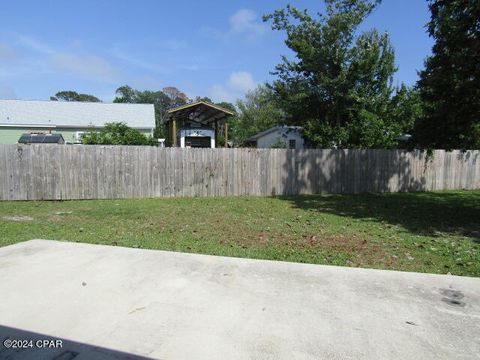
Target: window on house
x: 292, y: 144
x: 79, y: 135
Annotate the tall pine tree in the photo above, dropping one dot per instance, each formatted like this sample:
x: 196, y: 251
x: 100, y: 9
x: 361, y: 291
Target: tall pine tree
x: 450, y: 84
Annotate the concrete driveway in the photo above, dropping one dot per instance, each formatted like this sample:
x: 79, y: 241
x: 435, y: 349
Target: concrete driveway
x: 106, y: 302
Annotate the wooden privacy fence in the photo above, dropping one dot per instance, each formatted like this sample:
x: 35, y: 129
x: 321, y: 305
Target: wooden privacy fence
x: 35, y: 172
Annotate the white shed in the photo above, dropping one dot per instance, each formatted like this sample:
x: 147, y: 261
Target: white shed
x: 290, y: 137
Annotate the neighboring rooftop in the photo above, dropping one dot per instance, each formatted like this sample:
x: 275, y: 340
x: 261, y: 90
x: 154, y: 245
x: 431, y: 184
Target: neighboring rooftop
x: 200, y: 111
x: 75, y: 114
x: 273, y: 129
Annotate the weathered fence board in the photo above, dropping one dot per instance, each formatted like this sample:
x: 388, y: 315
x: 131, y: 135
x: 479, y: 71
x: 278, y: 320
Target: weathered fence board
x: 37, y: 172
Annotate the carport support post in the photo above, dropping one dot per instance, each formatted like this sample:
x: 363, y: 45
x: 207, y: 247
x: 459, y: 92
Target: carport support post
x: 226, y: 134
x: 174, y: 131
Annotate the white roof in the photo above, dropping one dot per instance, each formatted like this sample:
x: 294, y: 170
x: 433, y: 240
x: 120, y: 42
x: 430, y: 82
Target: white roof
x: 75, y: 114
x: 272, y: 129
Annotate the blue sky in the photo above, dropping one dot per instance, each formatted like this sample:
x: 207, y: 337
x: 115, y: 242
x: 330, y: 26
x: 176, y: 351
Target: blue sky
x: 219, y: 49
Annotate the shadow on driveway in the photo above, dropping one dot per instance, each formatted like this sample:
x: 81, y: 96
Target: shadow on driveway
x: 26, y: 345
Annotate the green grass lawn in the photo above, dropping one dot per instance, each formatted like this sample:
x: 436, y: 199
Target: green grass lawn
x: 426, y: 232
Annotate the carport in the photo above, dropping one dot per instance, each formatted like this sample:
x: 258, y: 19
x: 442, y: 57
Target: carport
x: 199, y: 124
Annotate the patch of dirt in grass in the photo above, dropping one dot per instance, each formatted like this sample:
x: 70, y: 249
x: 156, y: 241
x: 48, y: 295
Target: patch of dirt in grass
x: 347, y: 244
x: 343, y: 243
x: 361, y: 251
x: 55, y: 218
x: 18, y: 218
x: 263, y: 238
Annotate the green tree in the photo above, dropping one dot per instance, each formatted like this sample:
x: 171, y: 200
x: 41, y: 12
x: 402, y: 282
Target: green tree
x: 224, y: 104
x: 405, y: 109
x: 116, y: 134
x: 340, y: 87
x: 73, y: 96
x: 125, y: 94
x: 205, y: 99
x: 450, y: 84
x: 256, y: 113
x: 227, y: 106
x: 162, y: 100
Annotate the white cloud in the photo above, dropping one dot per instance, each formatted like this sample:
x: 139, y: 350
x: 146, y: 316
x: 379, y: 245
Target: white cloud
x: 137, y: 62
x: 237, y: 85
x: 241, y: 81
x: 18, y: 63
x: 221, y: 93
x: 87, y: 66
x: 78, y: 63
x: 34, y: 44
x: 245, y: 21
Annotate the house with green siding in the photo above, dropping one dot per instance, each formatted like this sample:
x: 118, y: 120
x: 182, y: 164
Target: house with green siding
x: 71, y: 119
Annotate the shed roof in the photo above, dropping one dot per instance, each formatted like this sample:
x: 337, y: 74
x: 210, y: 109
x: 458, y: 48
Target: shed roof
x: 74, y: 114
x: 200, y: 111
x: 272, y: 129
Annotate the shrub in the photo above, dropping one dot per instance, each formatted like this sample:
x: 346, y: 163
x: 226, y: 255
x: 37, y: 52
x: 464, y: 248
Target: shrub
x: 116, y: 134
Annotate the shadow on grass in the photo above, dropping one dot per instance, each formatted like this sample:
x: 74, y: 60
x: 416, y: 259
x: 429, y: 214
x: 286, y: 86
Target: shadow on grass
x: 389, y: 187
x: 430, y: 214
